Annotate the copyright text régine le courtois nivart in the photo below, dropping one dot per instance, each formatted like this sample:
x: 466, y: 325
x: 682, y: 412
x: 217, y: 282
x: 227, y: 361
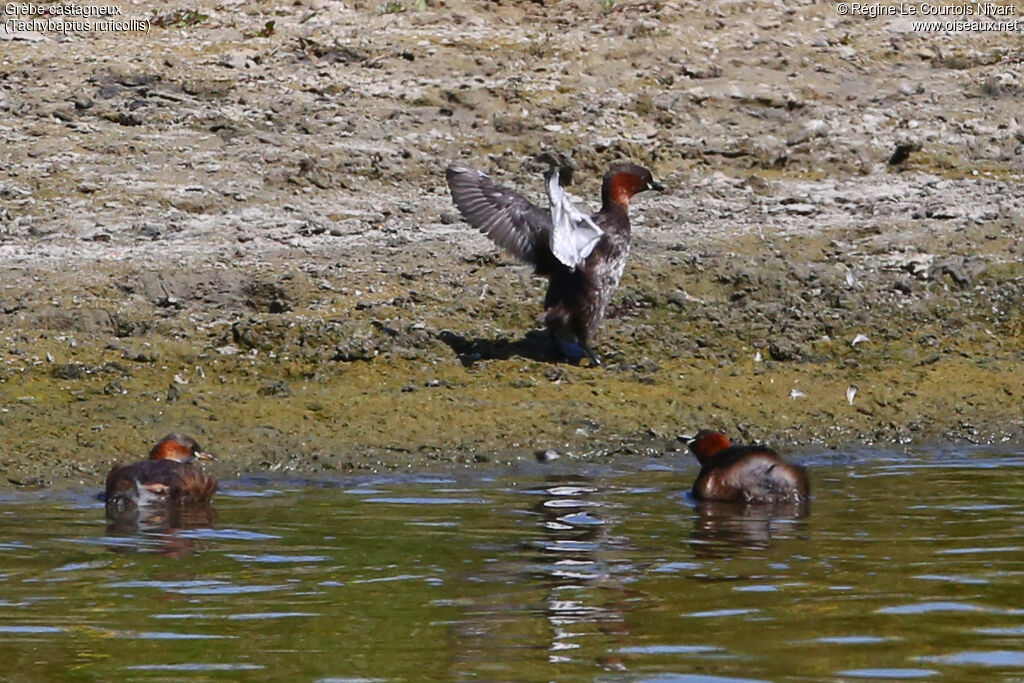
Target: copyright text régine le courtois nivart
x: 927, y: 9
x: 968, y: 16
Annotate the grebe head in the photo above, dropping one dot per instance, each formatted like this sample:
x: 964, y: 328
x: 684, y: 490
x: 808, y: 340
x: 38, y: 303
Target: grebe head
x: 179, y: 448
x: 622, y: 181
x: 707, y: 444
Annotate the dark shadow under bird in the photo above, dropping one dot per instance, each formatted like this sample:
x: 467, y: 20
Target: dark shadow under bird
x: 582, y: 256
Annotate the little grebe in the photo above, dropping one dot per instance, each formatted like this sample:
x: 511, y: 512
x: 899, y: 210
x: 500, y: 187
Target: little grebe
x: 170, y: 476
x: 752, y: 474
x: 582, y: 256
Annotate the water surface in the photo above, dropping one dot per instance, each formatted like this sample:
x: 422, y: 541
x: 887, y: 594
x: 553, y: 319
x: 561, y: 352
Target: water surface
x: 905, y: 567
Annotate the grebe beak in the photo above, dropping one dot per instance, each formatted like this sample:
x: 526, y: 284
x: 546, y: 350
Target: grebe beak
x: 202, y: 455
x: 654, y: 185
x: 688, y: 439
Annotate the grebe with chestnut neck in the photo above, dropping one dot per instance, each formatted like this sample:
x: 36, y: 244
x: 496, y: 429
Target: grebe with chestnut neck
x: 582, y: 256
x: 171, y: 476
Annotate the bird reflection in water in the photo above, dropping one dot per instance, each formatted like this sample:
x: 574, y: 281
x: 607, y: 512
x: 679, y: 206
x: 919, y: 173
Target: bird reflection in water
x: 583, y: 567
x: 157, y: 528
x: 559, y: 594
x: 723, y: 529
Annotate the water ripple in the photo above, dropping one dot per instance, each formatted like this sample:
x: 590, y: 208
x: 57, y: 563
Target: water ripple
x: 698, y: 678
x: 894, y: 674
x: 167, y: 635
x: 978, y: 551
x: 252, y: 616
x: 398, y: 500
x: 227, y: 535
x: 1002, y: 658
x: 277, y: 559
x: 669, y: 649
x: 200, y: 587
x: 30, y: 629
x: 673, y: 567
x: 196, y: 667
x: 721, y: 613
x: 400, y: 577
x: 952, y: 578
x: 850, y: 640
x: 75, y: 566
x: 1005, y: 631
x: 259, y: 616
x: 928, y: 607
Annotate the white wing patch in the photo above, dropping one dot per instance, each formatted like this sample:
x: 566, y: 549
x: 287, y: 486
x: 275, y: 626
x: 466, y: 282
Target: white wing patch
x: 573, y: 234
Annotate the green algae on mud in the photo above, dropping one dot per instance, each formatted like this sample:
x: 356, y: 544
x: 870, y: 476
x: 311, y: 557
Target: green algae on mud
x: 438, y: 367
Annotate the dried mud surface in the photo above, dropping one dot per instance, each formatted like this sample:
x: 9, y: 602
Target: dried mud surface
x: 239, y: 229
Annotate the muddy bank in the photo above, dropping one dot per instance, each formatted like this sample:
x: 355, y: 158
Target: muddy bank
x: 242, y: 232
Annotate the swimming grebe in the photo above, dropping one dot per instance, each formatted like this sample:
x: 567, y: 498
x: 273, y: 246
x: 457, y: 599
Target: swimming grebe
x: 753, y: 474
x: 170, y: 476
